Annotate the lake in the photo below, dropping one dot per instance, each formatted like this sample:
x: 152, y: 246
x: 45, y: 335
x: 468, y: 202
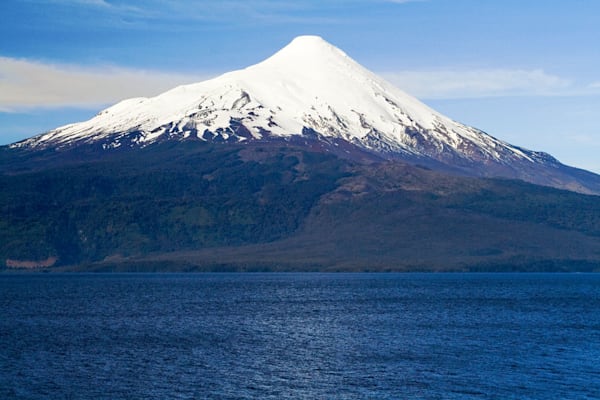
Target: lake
x: 299, y: 336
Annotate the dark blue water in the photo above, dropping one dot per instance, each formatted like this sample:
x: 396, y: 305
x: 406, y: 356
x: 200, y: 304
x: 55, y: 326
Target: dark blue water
x: 300, y: 336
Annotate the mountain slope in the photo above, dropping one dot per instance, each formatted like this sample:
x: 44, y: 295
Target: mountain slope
x: 311, y: 88
x: 282, y: 206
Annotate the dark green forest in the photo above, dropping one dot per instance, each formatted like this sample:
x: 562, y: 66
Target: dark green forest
x: 193, y: 206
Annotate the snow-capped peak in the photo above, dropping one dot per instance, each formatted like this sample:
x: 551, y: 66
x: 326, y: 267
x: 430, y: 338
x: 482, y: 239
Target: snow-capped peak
x: 309, y: 84
x: 305, y: 46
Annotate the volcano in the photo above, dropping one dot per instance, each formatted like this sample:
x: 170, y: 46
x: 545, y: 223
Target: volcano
x: 310, y: 89
x: 303, y: 162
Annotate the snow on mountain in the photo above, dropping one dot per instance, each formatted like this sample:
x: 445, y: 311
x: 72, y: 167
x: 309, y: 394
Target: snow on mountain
x: 309, y: 84
x: 312, y: 89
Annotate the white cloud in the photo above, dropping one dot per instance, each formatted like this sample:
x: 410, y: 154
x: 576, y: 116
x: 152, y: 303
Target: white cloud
x: 92, y: 3
x: 475, y: 83
x: 101, y: 3
x: 404, y: 1
x: 28, y: 84
x: 137, y: 13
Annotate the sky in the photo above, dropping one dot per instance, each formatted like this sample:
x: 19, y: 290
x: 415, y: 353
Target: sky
x: 526, y: 71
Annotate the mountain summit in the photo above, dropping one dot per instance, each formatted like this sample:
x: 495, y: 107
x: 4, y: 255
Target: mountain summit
x: 312, y: 90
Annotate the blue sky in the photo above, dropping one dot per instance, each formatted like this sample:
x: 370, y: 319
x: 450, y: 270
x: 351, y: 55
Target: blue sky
x: 527, y: 71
